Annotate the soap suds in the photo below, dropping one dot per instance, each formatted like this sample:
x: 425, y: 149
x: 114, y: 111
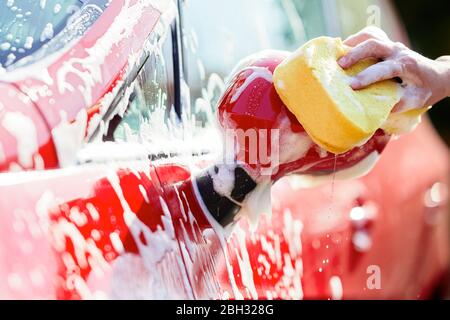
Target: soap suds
x: 90, y: 73
x: 68, y: 137
x: 244, y: 263
x: 280, y: 84
x: 293, y: 146
x: 257, y: 72
x: 223, y: 180
x: 336, y: 288
x: 358, y: 170
x: 401, y: 123
x: 309, y: 53
x: 22, y: 128
x: 222, y: 236
x: 361, y: 241
x: 159, y: 265
x: 144, y: 193
x: 292, y: 231
x: 258, y: 202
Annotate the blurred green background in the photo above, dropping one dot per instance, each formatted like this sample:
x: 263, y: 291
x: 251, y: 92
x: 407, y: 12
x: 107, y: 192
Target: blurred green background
x: 428, y: 27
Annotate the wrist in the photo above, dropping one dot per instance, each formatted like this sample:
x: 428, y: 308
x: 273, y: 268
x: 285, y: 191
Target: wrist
x: 444, y: 63
x: 447, y: 80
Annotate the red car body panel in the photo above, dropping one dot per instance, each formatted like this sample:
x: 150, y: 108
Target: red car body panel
x: 136, y: 229
x: 77, y: 80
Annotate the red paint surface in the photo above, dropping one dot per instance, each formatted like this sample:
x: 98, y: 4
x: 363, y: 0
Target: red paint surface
x: 412, y: 253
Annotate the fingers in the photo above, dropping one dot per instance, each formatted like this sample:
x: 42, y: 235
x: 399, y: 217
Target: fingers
x: 378, y: 72
x: 371, y: 48
x: 366, y: 34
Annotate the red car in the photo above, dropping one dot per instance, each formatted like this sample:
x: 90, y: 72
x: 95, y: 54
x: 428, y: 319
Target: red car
x: 106, y: 111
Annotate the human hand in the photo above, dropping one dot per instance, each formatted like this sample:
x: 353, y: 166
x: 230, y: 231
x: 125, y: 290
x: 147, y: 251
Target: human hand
x: 424, y: 81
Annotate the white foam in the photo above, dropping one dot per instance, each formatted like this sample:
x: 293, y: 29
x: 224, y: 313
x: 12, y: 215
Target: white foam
x: 292, y: 230
x: 293, y: 145
x: 5, y: 46
x: 144, y: 193
x: 159, y: 265
x: 362, y: 241
x: 28, y: 43
x: 244, y: 263
x: 222, y: 236
x: 257, y: 72
x: 88, y: 69
x: 223, y: 180
x: 309, y: 54
x: 360, y: 169
x: 399, y: 123
x: 47, y: 33
x: 336, y: 288
x: 22, y: 128
x: 257, y: 202
x: 69, y: 137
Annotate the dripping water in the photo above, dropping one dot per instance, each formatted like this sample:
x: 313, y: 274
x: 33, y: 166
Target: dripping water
x: 333, y: 179
x: 330, y: 207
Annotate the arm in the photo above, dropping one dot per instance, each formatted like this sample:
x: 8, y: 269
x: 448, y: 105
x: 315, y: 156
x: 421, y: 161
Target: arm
x: 445, y: 62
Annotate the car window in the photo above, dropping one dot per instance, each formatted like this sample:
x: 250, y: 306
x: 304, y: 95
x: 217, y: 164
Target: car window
x: 215, y: 42
x: 150, y: 98
x: 30, y: 25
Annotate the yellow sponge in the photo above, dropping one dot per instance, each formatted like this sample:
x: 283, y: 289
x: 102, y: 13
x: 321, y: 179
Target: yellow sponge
x: 316, y: 90
x: 403, y: 122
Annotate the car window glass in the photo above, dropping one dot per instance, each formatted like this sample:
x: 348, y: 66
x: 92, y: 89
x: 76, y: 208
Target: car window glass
x: 151, y: 94
x: 30, y: 25
x: 215, y: 42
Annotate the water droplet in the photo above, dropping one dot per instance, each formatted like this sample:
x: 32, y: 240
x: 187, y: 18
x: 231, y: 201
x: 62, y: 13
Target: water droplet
x: 28, y: 43
x: 435, y: 195
x: 336, y: 288
x: 358, y: 216
x: 47, y: 33
x: 5, y: 46
x: 15, y: 281
x: 362, y: 241
x: 57, y: 8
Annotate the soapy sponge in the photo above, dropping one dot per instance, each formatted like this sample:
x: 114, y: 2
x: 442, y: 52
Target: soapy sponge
x: 316, y: 90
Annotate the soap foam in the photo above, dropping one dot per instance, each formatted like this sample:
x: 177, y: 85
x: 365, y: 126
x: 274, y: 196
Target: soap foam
x: 223, y: 180
x: 257, y: 72
x: 22, y: 128
x: 354, y: 172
